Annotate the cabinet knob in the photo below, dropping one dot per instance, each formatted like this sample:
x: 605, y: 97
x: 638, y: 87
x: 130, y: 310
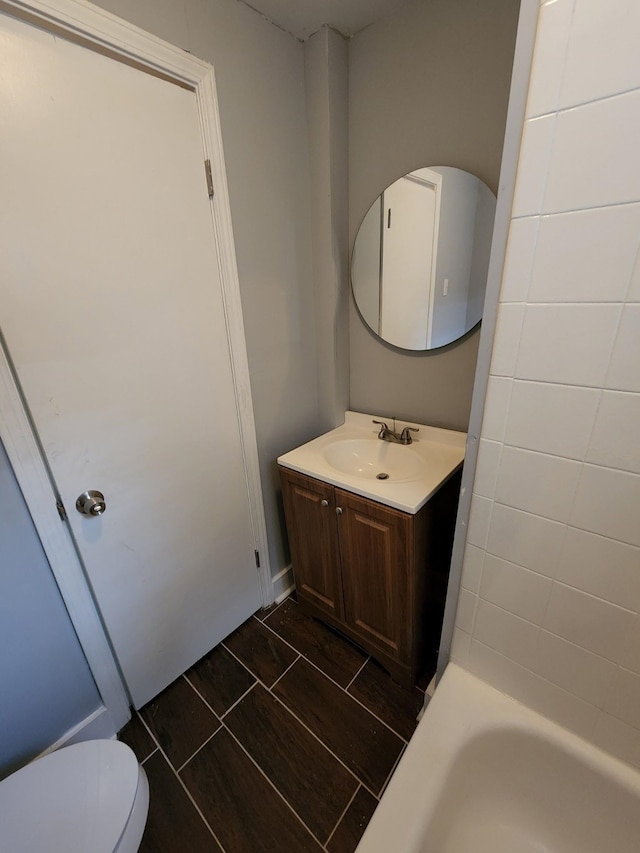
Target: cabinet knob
x: 338, y: 510
x: 324, y: 502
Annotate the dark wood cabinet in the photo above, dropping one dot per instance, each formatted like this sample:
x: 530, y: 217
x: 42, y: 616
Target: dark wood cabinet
x: 311, y: 525
x: 376, y: 574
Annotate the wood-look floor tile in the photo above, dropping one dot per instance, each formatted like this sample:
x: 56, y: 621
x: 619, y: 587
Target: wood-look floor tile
x: 138, y: 738
x: 242, y: 808
x: 352, y: 826
x: 173, y: 823
x: 335, y: 655
x: 396, y: 705
x: 180, y: 721
x: 266, y: 655
x: 266, y: 611
x: 311, y: 780
x: 361, y: 741
x: 221, y: 679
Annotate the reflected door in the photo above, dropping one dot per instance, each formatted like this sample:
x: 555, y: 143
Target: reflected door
x: 409, y: 229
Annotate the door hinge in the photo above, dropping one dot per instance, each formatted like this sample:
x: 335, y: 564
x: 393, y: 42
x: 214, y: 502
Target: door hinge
x: 207, y: 171
x: 61, y: 510
x: 257, y: 555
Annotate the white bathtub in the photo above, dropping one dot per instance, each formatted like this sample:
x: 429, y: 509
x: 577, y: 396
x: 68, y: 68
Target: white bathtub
x: 484, y: 774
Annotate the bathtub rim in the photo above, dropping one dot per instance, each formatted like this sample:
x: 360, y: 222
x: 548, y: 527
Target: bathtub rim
x: 462, y: 708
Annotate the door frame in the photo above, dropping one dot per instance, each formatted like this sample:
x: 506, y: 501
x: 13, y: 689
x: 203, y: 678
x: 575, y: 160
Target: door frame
x: 98, y: 30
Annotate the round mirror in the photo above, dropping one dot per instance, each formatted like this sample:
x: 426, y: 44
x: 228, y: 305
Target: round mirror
x: 420, y: 259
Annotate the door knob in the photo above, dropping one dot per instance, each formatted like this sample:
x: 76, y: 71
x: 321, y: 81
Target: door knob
x: 91, y: 503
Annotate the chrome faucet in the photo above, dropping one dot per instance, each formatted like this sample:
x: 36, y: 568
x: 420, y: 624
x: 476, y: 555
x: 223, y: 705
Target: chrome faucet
x: 394, y: 437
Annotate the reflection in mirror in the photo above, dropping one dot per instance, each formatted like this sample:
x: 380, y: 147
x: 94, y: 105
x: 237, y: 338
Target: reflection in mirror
x: 420, y: 259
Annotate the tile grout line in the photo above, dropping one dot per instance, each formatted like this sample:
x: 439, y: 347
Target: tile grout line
x: 181, y: 783
x: 282, y: 674
x: 277, y: 607
x: 356, y: 700
x: 239, y: 699
x: 341, y: 818
x: 289, y: 710
x: 357, y: 674
x: 257, y: 677
x: 360, y: 785
x: 271, y: 784
x: 392, y: 771
x: 339, y: 686
x: 344, y: 689
x: 202, y: 745
x: 144, y: 760
x: 322, y: 743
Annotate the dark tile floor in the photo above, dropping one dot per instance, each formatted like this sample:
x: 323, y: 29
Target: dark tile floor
x: 281, y: 740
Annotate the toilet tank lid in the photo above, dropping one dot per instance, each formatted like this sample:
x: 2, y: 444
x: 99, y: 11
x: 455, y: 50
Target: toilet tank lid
x: 75, y: 800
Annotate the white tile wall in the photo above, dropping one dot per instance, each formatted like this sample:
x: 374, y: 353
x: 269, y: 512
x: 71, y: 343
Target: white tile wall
x: 526, y: 539
x: 534, y: 159
x: 497, y: 407
x: 550, y: 607
x: 623, y: 370
x: 520, y: 591
x: 615, y: 440
x: 487, y: 467
x: 597, y: 66
x: 584, y: 256
x: 594, y: 157
x: 554, y: 419
x: 472, y: 568
x: 624, y: 698
x: 581, y: 672
x: 507, y: 339
x: 608, y: 502
x: 499, y: 629
x: 519, y: 258
x: 537, y: 482
x: 588, y: 621
x: 603, y: 567
x: 577, y: 343
x: 549, y: 59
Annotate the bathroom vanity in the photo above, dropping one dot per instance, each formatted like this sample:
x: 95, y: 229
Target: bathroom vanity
x: 370, y: 528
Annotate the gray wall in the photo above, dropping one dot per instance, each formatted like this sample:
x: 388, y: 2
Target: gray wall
x: 260, y: 78
x: 46, y: 687
x: 326, y: 75
x: 426, y: 87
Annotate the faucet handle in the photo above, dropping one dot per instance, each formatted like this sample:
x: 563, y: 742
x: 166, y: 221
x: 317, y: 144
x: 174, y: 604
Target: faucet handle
x: 405, y: 438
x: 384, y: 429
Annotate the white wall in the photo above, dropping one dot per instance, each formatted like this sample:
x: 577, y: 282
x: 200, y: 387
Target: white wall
x: 549, y: 609
x: 458, y: 204
x: 427, y: 87
x: 260, y: 79
x: 46, y: 687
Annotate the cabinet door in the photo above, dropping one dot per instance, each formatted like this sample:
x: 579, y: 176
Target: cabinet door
x: 377, y: 560
x: 311, y: 524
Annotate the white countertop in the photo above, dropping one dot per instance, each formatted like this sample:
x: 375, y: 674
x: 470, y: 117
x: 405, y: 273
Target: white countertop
x: 416, y: 471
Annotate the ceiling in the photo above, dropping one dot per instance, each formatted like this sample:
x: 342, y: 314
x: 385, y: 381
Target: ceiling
x: 303, y: 17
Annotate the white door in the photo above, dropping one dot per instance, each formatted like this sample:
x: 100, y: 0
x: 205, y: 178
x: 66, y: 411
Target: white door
x: 111, y: 308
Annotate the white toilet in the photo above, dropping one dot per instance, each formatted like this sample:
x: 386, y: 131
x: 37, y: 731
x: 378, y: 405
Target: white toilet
x: 91, y: 797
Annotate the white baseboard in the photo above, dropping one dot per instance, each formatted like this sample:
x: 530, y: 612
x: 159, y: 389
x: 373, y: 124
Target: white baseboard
x: 285, y: 594
x: 283, y: 584
x: 97, y: 726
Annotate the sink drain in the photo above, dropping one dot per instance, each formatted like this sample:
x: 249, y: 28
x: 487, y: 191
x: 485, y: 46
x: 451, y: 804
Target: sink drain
x: 382, y: 476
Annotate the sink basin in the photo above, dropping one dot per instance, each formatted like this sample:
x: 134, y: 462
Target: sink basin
x: 352, y: 457
x: 374, y: 459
